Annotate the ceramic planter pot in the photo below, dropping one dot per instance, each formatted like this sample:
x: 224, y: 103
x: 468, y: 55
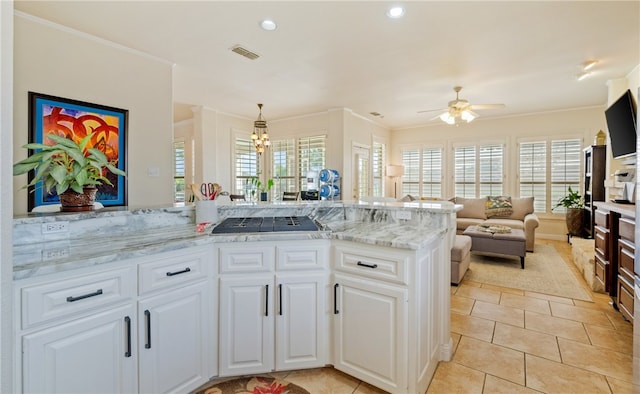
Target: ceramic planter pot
x: 574, y: 218
x: 72, y: 201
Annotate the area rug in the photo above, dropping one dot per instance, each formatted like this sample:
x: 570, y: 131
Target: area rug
x: 545, y: 271
x: 253, y: 385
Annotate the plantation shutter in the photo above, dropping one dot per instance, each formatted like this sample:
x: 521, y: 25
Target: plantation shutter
x: 311, y: 157
x: 411, y: 177
x: 565, y: 168
x: 490, y: 165
x: 432, y: 172
x: 465, y: 171
x: 247, y: 163
x: 378, y: 165
x: 283, y: 161
x: 533, y: 173
x: 179, y: 171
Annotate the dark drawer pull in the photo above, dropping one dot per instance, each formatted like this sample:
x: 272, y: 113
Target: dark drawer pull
x: 280, y: 298
x: 127, y: 323
x: 266, y: 300
x: 360, y: 263
x: 335, y: 299
x: 147, y: 315
x: 82, y: 297
x: 184, y: 271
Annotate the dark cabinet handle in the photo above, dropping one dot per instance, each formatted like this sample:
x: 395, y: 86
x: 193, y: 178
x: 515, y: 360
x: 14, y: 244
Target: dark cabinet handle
x: 184, y: 271
x: 266, y: 300
x: 335, y: 299
x: 361, y: 264
x: 82, y: 297
x: 280, y: 298
x: 147, y: 317
x: 127, y: 324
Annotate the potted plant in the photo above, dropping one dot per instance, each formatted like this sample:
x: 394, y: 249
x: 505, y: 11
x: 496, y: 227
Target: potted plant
x: 264, y: 189
x: 70, y: 169
x: 254, y: 185
x: 574, y: 204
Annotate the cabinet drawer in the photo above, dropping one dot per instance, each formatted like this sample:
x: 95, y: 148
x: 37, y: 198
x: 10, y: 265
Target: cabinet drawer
x: 602, y: 218
x: 246, y: 259
x: 372, y: 263
x: 627, y: 228
x: 301, y: 257
x: 601, y: 238
x: 600, y: 271
x: 625, y: 298
x: 55, y: 300
x: 626, y: 257
x: 173, y: 269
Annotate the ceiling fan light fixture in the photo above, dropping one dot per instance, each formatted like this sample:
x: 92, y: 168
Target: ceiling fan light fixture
x: 589, y: 65
x: 448, y: 118
x: 468, y: 116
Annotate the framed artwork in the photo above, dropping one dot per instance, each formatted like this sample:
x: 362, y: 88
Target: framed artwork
x: 75, y: 119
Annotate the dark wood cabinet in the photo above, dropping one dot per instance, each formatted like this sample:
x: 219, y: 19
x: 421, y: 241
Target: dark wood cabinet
x: 595, y: 160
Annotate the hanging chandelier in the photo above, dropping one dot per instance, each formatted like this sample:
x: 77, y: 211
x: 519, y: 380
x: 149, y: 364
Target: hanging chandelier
x: 260, y: 135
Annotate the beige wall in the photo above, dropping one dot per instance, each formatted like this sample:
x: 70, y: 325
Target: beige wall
x: 584, y: 123
x: 61, y: 62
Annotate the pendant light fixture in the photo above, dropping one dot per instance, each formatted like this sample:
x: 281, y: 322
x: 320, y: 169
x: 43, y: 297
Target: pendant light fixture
x: 260, y: 135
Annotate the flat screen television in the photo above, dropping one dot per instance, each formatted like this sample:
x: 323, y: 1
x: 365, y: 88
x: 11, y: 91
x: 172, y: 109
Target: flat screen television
x: 621, y: 121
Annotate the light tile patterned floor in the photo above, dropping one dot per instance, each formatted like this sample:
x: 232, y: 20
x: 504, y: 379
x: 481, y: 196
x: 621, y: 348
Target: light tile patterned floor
x: 514, y: 341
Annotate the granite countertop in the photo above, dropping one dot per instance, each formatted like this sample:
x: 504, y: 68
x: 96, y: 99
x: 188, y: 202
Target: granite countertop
x: 61, y: 255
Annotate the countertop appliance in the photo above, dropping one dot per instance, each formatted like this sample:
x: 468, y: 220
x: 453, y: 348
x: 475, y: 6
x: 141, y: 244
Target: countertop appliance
x: 268, y: 224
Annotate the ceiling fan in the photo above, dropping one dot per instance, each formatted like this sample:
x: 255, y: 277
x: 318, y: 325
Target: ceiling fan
x: 460, y: 109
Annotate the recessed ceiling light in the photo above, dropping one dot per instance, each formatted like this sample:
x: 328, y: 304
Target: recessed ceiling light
x: 395, y: 12
x: 268, y: 25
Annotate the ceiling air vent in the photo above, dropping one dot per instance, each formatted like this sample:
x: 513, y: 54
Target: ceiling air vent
x: 245, y: 52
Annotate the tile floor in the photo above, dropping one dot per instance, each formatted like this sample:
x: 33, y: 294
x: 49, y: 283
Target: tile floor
x: 514, y: 341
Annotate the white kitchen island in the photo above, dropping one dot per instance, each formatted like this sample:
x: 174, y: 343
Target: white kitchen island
x: 369, y: 294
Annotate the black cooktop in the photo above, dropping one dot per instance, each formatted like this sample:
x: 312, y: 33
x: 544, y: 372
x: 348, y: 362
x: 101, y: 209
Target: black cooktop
x: 265, y: 224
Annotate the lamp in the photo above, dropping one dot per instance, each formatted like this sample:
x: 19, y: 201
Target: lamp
x: 260, y: 135
x: 395, y: 171
x: 452, y: 115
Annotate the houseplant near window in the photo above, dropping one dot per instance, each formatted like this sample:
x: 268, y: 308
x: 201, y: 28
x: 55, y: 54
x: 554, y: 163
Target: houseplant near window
x: 69, y: 168
x: 574, y: 203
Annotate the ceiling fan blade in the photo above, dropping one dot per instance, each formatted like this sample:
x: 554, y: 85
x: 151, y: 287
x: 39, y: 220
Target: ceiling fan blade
x: 486, y: 106
x: 431, y: 110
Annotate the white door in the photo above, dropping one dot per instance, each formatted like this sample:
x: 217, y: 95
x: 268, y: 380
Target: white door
x: 361, y: 173
x: 300, y: 318
x: 246, y: 324
x: 96, y: 354
x: 370, y: 332
x: 175, y: 348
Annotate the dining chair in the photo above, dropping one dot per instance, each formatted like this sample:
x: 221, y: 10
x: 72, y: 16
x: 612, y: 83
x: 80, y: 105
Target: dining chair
x: 237, y: 197
x: 289, y: 196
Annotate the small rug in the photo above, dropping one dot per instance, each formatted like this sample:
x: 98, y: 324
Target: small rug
x: 545, y: 271
x: 253, y: 385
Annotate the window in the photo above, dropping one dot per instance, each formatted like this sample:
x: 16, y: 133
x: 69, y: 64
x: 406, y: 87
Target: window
x: 378, y: 165
x: 291, y: 160
x: 547, y: 169
x: 422, y: 172
x: 179, y: 171
x: 283, y: 162
x: 479, y: 170
x: 247, y: 163
x: 311, y: 157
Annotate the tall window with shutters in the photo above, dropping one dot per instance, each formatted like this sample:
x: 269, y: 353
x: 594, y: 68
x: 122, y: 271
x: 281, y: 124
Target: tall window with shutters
x: 246, y: 163
x: 311, y: 157
x: 283, y: 166
x: 422, y: 172
x: 479, y: 170
x: 377, y: 168
x: 179, y: 171
x: 547, y: 169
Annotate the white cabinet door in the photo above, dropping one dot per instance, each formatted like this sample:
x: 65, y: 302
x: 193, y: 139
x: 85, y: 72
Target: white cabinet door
x: 175, y: 348
x: 370, y: 331
x: 246, y: 324
x: 96, y: 354
x: 300, y: 321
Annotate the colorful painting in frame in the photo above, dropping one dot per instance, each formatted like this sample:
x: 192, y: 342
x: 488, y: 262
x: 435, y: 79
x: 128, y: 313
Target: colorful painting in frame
x: 74, y: 120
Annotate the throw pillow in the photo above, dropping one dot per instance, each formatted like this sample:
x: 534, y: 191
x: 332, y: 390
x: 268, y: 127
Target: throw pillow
x: 498, y: 206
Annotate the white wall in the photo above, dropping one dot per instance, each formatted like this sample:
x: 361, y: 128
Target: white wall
x: 58, y: 61
x: 584, y: 123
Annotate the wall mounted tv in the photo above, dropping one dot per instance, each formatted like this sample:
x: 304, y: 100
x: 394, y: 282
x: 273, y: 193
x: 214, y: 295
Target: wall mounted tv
x: 621, y: 121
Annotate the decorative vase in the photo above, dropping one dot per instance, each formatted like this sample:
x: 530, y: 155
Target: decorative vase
x: 72, y: 201
x: 574, y: 217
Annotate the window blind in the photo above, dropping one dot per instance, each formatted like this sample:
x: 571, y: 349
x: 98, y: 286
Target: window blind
x: 179, y: 171
x: 565, y: 168
x: 311, y: 157
x: 283, y: 161
x: 378, y: 165
x: 411, y: 177
x: 490, y: 166
x: 465, y: 171
x: 247, y: 163
x: 432, y: 172
x: 533, y: 173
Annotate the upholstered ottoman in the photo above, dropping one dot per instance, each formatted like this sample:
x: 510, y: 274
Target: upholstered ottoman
x: 512, y: 243
x: 460, y: 258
